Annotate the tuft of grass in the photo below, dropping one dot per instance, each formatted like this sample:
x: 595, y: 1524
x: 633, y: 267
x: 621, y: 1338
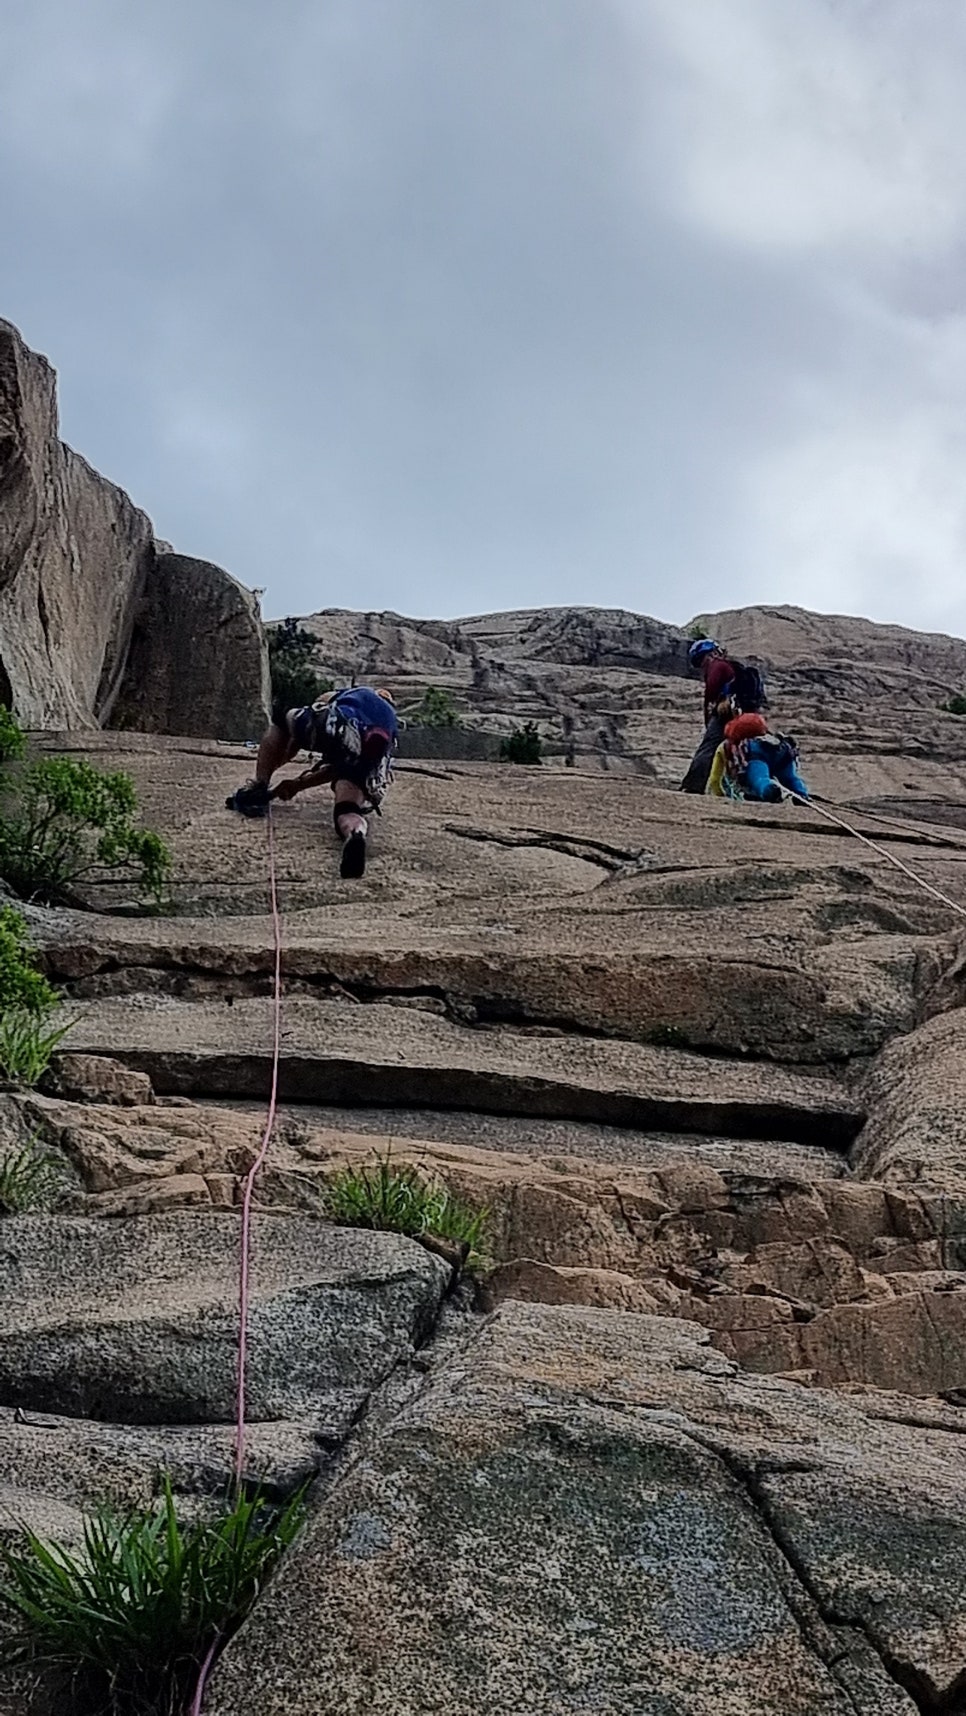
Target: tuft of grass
x: 31, y: 1180
x: 128, y: 1619
x: 27, y: 1045
x: 399, y: 1199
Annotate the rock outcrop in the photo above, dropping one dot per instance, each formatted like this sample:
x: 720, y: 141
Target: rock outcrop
x: 197, y: 664
x: 75, y: 555
x: 97, y: 624
x: 612, y: 689
x: 701, y: 1062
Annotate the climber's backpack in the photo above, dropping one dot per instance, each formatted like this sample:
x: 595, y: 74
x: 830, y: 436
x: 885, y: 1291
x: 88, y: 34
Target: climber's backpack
x: 747, y: 689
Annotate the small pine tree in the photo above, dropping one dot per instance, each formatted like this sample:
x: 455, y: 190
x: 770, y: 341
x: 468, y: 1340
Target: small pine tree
x: 295, y: 682
x: 436, y: 709
x: 522, y: 746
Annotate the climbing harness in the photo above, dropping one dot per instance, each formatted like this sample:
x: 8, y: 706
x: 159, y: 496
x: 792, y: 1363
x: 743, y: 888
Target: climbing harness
x: 246, y: 1226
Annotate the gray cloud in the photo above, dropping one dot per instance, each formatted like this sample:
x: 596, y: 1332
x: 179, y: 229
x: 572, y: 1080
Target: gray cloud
x: 453, y: 304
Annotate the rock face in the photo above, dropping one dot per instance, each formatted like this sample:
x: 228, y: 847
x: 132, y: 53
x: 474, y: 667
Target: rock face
x: 613, y: 689
x: 197, y: 664
x: 588, y: 1511
x: 133, y: 1321
x: 74, y: 557
x: 88, y: 604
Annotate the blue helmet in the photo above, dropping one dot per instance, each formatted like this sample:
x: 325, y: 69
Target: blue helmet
x: 699, y: 650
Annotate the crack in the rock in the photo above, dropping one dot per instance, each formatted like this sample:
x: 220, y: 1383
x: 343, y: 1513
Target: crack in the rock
x: 609, y: 858
x: 471, y: 1011
x: 905, y: 1675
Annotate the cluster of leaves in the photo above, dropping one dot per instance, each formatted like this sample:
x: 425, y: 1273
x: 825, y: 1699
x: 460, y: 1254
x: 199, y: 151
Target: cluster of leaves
x: 30, y: 1180
x: 128, y: 1620
x: 400, y: 1199
x: 295, y: 682
x: 28, y: 1037
x: 436, y: 709
x: 63, y: 822
x: 955, y: 705
x: 23, y: 988
x: 12, y: 741
x: 523, y: 745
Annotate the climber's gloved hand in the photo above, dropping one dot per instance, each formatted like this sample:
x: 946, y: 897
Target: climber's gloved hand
x: 250, y: 800
x: 287, y: 789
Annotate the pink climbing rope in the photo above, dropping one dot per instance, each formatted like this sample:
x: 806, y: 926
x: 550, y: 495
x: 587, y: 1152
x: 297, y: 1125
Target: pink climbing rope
x: 253, y: 1172
x: 246, y: 1225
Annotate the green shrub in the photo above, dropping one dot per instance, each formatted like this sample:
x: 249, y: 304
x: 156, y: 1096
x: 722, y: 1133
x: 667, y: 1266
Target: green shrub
x: 12, y: 740
x: 27, y: 1044
x: 955, y: 705
x: 402, y: 1200
x: 295, y: 681
x: 30, y: 1180
x: 696, y: 632
x: 64, y: 822
x: 27, y: 1001
x: 436, y: 709
x: 522, y: 746
x: 128, y: 1619
x: 22, y: 987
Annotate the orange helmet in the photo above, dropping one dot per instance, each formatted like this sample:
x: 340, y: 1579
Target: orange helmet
x: 745, y: 727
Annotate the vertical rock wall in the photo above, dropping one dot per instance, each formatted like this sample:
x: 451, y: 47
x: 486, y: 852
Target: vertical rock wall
x: 74, y: 554
x: 90, y: 605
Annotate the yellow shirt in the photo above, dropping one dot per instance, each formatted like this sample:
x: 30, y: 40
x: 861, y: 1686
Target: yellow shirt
x: 715, y: 787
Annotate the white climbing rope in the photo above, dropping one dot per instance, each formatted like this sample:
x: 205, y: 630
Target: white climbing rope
x: 874, y: 846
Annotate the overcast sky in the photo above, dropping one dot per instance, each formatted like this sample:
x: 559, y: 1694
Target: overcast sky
x: 453, y: 305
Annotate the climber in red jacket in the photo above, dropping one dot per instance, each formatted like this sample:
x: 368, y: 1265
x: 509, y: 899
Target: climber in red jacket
x: 718, y: 673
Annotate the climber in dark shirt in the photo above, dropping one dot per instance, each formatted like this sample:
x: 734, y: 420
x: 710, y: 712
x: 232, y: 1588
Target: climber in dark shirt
x: 354, y: 733
x: 718, y: 674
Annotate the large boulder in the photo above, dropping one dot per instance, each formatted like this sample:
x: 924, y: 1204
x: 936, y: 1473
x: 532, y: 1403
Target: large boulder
x: 588, y: 1510
x: 74, y: 556
x: 916, y: 1096
x: 137, y: 1320
x: 197, y: 665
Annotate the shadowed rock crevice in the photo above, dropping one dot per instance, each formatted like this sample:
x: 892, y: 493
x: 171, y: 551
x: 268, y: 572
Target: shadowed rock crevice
x: 393, y: 1056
